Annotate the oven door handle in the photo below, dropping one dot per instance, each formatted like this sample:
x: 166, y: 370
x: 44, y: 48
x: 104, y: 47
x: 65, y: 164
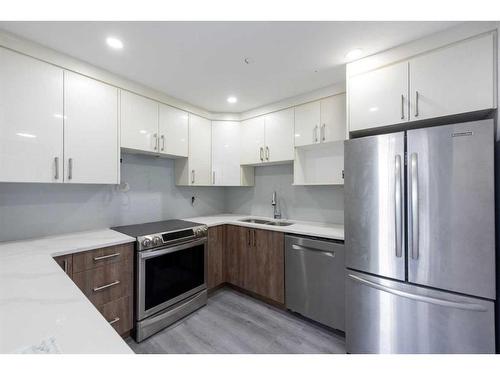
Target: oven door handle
x: 167, y: 250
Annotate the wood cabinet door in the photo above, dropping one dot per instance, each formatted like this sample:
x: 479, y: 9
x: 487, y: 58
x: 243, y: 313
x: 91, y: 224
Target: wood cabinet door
x: 66, y: 263
x: 379, y: 97
x: 279, y: 136
x: 91, y: 151
x: 215, y: 261
x: 31, y: 119
x: 268, y: 265
x: 454, y: 79
x: 139, y: 122
x: 237, y: 240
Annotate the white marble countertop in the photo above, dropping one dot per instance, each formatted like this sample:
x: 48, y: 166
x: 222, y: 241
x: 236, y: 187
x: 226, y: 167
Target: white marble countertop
x: 41, y: 309
x: 316, y: 229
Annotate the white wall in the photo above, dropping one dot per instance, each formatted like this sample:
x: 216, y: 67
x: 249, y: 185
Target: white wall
x: 34, y: 210
x: 309, y: 203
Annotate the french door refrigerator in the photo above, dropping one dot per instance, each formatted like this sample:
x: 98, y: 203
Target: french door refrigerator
x: 420, y: 241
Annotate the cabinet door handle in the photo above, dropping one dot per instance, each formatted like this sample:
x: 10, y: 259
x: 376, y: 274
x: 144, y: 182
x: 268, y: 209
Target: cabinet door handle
x: 96, y: 259
x: 113, y: 321
x: 416, y: 103
x: 65, y: 266
x: 323, y: 132
x: 402, y: 107
x: 249, y: 236
x: 260, y: 154
x: 213, y: 177
x: 267, y: 153
x: 162, y: 142
x: 192, y: 176
x: 155, y: 136
x: 254, y: 240
x: 56, y: 166
x: 99, y: 288
x: 70, y: 168
x: 316, y: 134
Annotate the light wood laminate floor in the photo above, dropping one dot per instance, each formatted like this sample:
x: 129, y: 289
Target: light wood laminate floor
x: 232, y: 322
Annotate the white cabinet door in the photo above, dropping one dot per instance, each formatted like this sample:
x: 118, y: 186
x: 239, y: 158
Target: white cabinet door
x: 456, y: 79
x: 139, y: 122
x: 31, y: 119
x: 333, y: 119
x: 253, y: 140
x: 226, y: 153
x: 173, y: 132
x: 200, y: 135
x: 307, y: 124
x: 379, y: 97
x: 279, y: 136
x: 91, y: 151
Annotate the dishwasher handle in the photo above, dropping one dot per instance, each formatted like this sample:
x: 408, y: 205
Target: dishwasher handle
x: 330, y: 253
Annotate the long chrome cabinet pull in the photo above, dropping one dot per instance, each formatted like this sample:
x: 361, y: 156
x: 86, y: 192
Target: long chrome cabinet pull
x: 70, y: 168
x: 155, y: 136
x: 414, y: 205
x: 162, y: 142
x: 416, y: 103
x: 398, y: 196
x: 323, y: 132
x: 260, y: 154
x: 99, y: 288
x: 267, y: 153
x: 254, y: 239
x: 106, y: 257
x: 56, y: 164
x: 192, y: 176
x: 65, y: 263
x: 213, y: 177
x: 402, y: 107
x: 115, y: 320
x: 316, y: 134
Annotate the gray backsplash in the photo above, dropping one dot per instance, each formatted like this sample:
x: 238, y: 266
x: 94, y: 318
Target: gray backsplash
x: 308, y: 203
x: 35, y: 210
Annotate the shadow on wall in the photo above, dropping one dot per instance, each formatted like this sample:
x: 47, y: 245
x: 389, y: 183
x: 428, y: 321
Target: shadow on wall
x: 308, y: 203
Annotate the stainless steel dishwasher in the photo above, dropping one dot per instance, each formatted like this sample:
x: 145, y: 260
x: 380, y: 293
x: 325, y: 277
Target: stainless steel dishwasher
x: 314, y: 279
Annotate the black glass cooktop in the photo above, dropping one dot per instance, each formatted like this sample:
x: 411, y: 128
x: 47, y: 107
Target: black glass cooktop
x: 144, y: 229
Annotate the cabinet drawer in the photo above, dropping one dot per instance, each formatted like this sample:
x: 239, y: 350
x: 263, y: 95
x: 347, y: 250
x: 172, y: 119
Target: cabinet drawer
x: 119, y: 314
x: 107, y: 283
x: 100, y: 257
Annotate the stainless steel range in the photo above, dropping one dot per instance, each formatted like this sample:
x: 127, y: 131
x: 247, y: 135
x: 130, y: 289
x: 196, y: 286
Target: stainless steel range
x: 170, y: 272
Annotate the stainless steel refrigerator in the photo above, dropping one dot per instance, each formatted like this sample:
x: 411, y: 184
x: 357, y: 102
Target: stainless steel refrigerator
x: 420, y: 241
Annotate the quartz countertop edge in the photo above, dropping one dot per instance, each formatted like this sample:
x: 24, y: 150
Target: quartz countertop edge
x: 305, y: 228
x: 41, y: 309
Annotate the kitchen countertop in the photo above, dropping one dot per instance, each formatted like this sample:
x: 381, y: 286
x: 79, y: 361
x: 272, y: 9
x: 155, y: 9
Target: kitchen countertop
x: 306, y: 228
x: 41, y: 309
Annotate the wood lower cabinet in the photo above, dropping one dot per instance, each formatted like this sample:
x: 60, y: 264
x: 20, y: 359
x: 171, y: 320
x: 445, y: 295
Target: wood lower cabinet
x: 215, y: 258
x: 106, y: 277
x: 235, y: 254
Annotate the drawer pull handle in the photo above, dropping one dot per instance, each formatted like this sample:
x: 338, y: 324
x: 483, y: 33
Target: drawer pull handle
x: 115, y: 320
x: 99, y: 288
x: 106, y: 257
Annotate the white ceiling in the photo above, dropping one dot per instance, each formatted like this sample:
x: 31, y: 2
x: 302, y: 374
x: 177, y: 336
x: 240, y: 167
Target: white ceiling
x: 203, y: 62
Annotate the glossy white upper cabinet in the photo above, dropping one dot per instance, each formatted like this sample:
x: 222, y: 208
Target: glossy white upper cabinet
x: 139, y: 122
x: 174, y: 131
x: 455, y: 79
x: 279, y: 136
x: 307, y: 124
x: 91, y: 150
x: 333, y: 118
x: 253, y: 135
x: 379, y: 97
x: 31, y: 119
x: 226, y: 169
x: 200, y: 150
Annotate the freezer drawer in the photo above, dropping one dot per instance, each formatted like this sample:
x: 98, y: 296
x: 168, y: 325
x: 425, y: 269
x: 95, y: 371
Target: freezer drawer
x: 314, y: 279
x: 384, y: 316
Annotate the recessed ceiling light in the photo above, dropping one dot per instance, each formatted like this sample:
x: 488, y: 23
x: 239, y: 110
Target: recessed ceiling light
x: 114, y: 42
x: 232, y: 99
x: 354, y: 54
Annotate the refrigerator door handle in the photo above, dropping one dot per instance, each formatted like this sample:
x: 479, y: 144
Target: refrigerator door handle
x: 398, y: 207
x: 414, y: 205
x: 421, y: 298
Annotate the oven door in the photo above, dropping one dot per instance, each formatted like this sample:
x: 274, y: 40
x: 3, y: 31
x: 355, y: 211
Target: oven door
x: 168, y: 275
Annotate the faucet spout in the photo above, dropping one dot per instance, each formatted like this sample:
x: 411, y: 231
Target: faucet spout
x: 274, y: 203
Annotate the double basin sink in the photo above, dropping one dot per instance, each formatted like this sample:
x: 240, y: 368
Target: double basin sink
x: 267, y: 222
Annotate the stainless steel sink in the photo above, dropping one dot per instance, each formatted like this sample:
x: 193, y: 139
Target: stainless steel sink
x: 267, y: 222
x: 254, y: 221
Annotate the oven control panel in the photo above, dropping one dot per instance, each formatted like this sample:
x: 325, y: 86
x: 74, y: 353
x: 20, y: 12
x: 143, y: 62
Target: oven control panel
x: 171, y: 238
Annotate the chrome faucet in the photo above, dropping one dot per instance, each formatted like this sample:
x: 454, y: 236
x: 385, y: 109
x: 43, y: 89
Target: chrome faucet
x: 274, y: 203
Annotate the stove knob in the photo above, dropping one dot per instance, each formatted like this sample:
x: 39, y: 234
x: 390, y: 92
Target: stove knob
x: 146, y: 242
x: 157, y: 241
